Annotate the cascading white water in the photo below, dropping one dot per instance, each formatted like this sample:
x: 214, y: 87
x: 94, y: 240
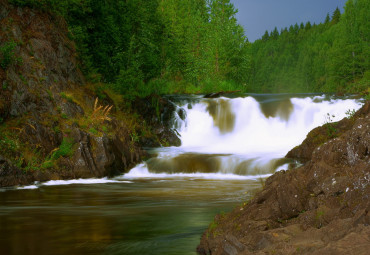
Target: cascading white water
x: 253, y: 133
x: 241, y: 137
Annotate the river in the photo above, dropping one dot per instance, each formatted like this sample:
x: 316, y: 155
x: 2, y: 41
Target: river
x: 162, y: 206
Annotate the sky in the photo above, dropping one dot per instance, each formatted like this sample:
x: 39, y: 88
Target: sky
x: 257, y: 16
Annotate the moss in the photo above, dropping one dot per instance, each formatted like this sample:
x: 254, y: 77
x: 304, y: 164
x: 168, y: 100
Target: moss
x: 66, y: 96
x: 93, y: 131
x: 47, y: 164
x: 7, y: 54
x: 23, y: 79
x: 65, y: 149
x: 211, y: 229
x: 320, y: 139
x: 5, y: 85
x: 104, y: 128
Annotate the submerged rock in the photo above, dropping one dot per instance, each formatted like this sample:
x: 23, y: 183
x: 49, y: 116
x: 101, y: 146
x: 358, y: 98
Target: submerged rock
x: 319, y: 208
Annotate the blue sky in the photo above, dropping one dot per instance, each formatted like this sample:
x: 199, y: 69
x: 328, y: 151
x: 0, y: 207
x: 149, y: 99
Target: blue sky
x: 257, y: 16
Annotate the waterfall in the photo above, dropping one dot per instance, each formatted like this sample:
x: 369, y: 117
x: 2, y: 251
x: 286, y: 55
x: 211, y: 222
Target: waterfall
x: 244, y: 137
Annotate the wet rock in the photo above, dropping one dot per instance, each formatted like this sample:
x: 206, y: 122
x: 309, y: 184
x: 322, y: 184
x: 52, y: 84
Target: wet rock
x: 319, y: 208
x: 158, y: 113
x: 182, y: 113
x: 219, y: 94
x: 11, y: 175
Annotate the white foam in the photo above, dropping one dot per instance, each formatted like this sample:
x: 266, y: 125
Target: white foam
x: 82, y: 181
x: 29, y: 187
x: 254, y: 135
x: 142, y: 172
x: 253, y: 132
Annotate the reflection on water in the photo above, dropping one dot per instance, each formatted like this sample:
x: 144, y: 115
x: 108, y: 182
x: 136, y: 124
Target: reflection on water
x: 157, y: 216
x: 222, y: 114
x: 192, y: 163
x: 162, y: 206
x: 282, y: 109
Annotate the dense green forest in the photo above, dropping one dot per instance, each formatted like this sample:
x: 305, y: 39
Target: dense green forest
x: 140, y: 47
x: 330, y: 57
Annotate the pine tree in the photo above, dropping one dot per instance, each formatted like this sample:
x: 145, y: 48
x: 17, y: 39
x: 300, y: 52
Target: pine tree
x: 336, y: 16
x: 308, y: 25
x: 265, y: 36
x: 275, y: 33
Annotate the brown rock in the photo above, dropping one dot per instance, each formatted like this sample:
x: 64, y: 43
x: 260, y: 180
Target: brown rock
x: 319, y: 208
x: 31, y: 93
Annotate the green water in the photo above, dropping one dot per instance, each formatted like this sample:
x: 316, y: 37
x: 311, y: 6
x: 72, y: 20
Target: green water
x: 147, y: 216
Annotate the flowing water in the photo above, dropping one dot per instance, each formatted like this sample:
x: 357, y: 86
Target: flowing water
x: 162, y: 206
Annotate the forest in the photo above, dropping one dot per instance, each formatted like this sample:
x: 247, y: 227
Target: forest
x: 140, y: 47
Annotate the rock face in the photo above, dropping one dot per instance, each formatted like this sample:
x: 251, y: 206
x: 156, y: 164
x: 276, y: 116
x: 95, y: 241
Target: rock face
x: 319, y: 208
x: 44, y: 100
x: 323, y: 134
x: 157, y: 113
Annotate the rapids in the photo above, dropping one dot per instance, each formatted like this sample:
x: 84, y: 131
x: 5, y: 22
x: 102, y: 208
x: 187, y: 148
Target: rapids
x: 241, y: 138
x: 163, y: 205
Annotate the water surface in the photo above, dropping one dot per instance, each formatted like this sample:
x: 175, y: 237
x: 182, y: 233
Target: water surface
x: 156, y: 216
x: 163, y: 205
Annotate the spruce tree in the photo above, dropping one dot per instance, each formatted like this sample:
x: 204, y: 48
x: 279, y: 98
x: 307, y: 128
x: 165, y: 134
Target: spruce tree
x: 336, y: 16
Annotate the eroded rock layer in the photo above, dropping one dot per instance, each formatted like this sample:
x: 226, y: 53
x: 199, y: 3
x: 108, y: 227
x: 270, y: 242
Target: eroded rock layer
x: 45, y: 104
x: 319, y: 208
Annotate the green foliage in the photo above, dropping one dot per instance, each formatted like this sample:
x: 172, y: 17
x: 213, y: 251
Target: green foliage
x: 147, y: 47
x: 93, y: 131
x: 47, y: 164
x: 330, y: 126
x: 134, y: 137
x: 350, y: 113
x: 7, y: 54
x: 144, y: 47
x: 7, y: 144
x: 57, y: 6
x: 66, y: 96
x: 329, y: 57
x: 104, y: 129
x: 20, y: 155
x: 65, y: 149
x: 56, y: 129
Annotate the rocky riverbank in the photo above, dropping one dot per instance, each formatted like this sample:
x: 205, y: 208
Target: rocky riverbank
x: 53, y: 123
x: 319, y: 208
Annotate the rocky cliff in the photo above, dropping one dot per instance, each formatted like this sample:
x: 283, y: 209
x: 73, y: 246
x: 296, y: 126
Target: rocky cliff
x: 319, y: 208
x: 51, y: 124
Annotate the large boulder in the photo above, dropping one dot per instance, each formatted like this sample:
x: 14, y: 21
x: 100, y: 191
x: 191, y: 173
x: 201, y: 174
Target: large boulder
x: 319, y: 208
